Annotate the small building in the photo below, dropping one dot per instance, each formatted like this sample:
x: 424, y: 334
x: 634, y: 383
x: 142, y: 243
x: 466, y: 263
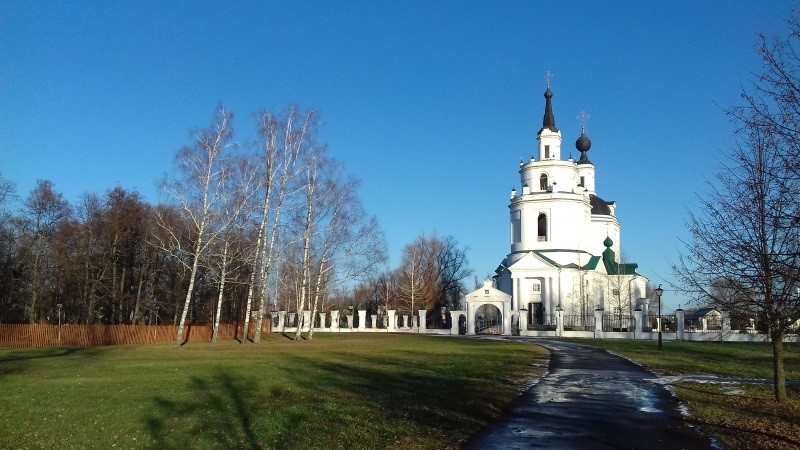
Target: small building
x: 702, y: 319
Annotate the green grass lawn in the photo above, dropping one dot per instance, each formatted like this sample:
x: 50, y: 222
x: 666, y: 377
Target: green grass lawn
x: 336, y: 391
x: 732, y: 359
x: 741, y: 416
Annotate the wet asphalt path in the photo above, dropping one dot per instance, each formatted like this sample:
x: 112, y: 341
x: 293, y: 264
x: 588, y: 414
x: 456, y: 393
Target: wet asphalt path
x: 591, y: 399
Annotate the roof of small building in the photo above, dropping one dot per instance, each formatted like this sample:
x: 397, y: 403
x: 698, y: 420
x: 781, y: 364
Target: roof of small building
x: 699, y: 313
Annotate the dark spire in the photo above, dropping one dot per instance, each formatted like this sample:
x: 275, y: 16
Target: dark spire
x: 549, y: 120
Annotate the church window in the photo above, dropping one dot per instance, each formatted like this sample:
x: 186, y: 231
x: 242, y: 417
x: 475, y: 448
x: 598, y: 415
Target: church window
x: 542, y: 234
x: 543, y: 182
x: 536, y: 288
x: 583, y: 182
x: 546, y: 151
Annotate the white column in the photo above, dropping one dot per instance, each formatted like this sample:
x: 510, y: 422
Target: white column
x: 335, y: 320
x: 392, y: 325
x: 523, y: 321
x: 306, y: 321
x: 322, y: 317
x: 362, y: 319
x: 507, y: 318
x: 726, y: 325
x: 548, y: 305
x: 374, y: 323
x: 470, y: 320
x: 423, y: 324
x: 514, y: 292
x: 679, y: 317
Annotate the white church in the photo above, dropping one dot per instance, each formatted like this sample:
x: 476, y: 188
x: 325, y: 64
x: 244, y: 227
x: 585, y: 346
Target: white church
x: 565, y: 240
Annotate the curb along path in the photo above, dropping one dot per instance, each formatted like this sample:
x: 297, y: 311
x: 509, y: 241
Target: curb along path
x: 591, y: 399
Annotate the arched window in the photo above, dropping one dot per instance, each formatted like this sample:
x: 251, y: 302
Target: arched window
x: 543, y: 182
x: 542, y: 234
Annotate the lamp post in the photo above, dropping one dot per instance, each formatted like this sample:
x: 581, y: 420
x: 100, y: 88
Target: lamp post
x: 659, y: 292
x: 59, y: 323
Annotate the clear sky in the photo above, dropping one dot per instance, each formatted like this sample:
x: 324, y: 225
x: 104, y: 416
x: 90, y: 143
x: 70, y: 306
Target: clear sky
x: 430, y: 103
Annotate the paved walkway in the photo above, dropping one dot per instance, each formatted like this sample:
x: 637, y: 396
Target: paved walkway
x: 591, y: 399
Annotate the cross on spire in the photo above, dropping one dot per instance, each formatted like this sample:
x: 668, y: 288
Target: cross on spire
x: 548, y: 77
x: 583, y: 117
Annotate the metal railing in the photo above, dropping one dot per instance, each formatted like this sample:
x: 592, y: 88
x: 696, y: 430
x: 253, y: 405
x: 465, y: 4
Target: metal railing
x: 618, y: 322
x: 579, y: 322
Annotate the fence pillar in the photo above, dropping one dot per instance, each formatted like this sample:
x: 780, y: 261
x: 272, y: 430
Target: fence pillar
x: 306, y: 321
x: 559, y: 321
x: 334, y: 320
x: 391, y: 323
x: 423, y: 322
x: 362, y: 319
x: 523, y: 321
x: 374, y: 322
x: 681, y: 326
x: 281, y: 322
x: 598, y: 320
x: 645, y: 314
x: 470, y: 320
x: 638, y: 325
x: 454, y: 317
x: 726, y: 325
x: 350, y: 321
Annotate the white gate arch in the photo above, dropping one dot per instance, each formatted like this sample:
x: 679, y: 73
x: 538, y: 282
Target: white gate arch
x: 488, y: 295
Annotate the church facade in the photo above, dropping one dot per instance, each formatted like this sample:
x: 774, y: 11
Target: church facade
x: 564, y: 238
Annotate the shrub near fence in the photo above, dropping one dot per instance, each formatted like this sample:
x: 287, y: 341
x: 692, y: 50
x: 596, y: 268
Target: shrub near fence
x: 72, y: 335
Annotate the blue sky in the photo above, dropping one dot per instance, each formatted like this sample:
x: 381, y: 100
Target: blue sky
x: 430, y: 104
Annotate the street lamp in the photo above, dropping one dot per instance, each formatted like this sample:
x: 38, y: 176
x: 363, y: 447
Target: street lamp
x: 659, y: 292
x: 59, y: 323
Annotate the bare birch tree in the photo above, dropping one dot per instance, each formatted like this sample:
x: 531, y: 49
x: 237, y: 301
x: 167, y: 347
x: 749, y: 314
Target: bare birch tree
x: 240, y: 185
x: 198, y: 190
x: 284, y: 143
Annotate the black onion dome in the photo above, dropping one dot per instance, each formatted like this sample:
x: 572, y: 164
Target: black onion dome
x: 583, y: 144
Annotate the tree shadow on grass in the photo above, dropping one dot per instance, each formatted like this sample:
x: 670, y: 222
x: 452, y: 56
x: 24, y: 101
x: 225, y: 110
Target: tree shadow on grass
x: 216, y: 412
x: 225, y: 411
x: 17, y: 361
x: 436, y: 400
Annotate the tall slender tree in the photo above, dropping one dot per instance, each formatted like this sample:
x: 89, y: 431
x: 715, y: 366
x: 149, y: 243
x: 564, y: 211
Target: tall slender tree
x: 198, y: 190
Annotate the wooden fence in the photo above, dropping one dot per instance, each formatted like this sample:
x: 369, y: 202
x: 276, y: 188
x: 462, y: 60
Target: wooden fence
x: 72, y: 335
